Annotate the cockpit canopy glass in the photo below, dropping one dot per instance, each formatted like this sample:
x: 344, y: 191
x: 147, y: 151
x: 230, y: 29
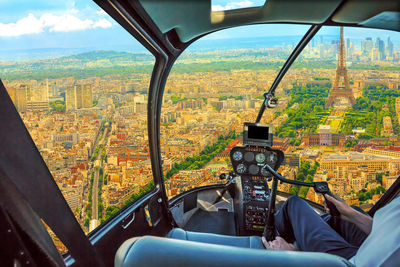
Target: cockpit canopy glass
x: 337, y: 118
x: 223, y: 5
x: 214, y: 87
x: 80, y: 83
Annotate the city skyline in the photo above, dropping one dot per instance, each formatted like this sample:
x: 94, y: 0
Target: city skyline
x: 73, y: 27
x: 206, y: 44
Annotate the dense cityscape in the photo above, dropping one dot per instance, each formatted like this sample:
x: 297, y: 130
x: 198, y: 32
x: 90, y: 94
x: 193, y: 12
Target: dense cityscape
x: 92, y: 131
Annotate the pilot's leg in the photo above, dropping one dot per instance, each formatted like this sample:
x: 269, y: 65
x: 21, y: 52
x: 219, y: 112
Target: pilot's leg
x: 296, y: 220
x: 349, y: 231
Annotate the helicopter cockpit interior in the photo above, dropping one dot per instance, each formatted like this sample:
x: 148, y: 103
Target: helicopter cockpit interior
x: 169, y: 133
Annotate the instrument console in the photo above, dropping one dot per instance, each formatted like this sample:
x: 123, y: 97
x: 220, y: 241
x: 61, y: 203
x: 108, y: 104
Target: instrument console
x: 248, y: 162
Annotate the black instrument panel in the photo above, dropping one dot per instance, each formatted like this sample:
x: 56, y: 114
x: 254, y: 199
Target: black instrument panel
x: 248, y: 160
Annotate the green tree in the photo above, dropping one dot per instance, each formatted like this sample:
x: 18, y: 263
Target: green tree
x: 294, y: 190
x: 207, y: 154
x: 379, y: 177
x: 58, y: 106
x: 297, y: 142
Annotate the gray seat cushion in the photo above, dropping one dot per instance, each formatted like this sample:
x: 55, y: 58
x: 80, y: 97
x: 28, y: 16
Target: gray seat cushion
x: 236, y: 241
x: 153, y: 251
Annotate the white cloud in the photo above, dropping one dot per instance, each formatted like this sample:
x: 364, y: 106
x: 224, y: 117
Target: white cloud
x: 26, y: 25
x: 52, y: 23
x: 101, y: 12
x: 233, y: 5
x: 103, y: 23
x: 73, y: 11
x: 65, y: 23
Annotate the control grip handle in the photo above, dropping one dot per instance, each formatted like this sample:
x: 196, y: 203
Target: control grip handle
x: 332, y: 208
x: 322, y: 188
x: 269, y: 229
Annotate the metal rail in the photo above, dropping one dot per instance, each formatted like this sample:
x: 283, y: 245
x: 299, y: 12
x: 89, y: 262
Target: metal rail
x: 319, y: 187
x: 283, y: 179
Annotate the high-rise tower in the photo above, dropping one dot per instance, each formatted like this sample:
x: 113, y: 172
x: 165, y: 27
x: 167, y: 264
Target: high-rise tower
x: 341, y: 91
x: 21, y: 98
x: 70, y: 98
x: 79, y: 96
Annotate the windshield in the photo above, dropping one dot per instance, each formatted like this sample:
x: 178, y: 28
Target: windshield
x: 336, y: 121
x: 340, y: 123
x: 214, y: 87
x: 79, y: 82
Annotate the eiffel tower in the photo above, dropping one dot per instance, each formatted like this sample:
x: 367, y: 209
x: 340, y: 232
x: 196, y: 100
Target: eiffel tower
x: 341, y: 72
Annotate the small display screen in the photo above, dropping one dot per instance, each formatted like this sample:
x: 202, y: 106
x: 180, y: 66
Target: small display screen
x: 258, y: 132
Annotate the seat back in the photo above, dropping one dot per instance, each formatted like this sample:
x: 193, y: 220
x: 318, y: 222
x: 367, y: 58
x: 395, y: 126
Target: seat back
x: 156, y: 251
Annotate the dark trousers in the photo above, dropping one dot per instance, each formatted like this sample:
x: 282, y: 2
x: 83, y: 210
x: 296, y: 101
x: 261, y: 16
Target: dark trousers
x: 297, y: 221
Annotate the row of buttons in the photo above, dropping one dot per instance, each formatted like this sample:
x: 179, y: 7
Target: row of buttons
x: 256, y: 208
x: 256, y: 213
x: 255, y: 220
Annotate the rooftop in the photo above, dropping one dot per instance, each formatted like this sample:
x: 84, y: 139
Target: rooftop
x: 350, y: 156
x: 387, y: 148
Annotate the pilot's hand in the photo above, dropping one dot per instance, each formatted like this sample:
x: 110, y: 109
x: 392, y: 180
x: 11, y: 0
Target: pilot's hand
x: 278, y: 244
x: 345, y: 210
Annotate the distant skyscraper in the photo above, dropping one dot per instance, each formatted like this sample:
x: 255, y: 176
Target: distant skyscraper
x: 389, y: 48
x: 351, y: 50
x: 380, y: 46
x: 348, y: 47
x: 78, y: 96
x: 70, y: 102
x: 87, y: 96
x: 366, y: 46
x: 21, y: 98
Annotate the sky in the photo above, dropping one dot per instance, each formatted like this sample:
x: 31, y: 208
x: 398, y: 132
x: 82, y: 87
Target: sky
x: 27, y: 24
x: 82, y: 25
x: 219, y: 5
x: 24, y: 17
